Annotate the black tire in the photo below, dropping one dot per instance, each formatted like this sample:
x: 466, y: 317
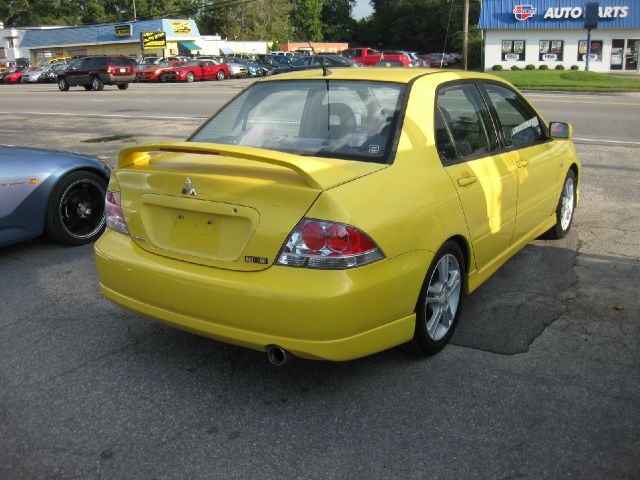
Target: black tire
x: 558, y: 231
x: 430, y: 341
x: 97, y: 84
x: 123, y: 86
x: 220, y: 75
x: 88, y: 87
x: 63, y: 85
x: 190, y: 77
x: 75, y: 212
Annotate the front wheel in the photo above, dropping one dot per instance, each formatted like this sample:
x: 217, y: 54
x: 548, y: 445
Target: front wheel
x: 190, y: 77
x: 440, y: 302
x: 63, y: 85
x: 565, y: 209
x: 75, y: 212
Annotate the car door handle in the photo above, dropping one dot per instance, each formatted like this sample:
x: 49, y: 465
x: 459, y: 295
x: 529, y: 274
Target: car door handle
x: 463, y: 182
x: 522, y: 163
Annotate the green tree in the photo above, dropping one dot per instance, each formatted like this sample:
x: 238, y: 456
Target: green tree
x: 258, y: 20
x: 337, y: 23
x: 306, y: 19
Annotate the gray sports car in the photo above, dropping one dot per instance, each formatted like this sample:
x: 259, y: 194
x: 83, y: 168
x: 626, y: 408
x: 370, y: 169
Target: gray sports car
x: 59, y: 193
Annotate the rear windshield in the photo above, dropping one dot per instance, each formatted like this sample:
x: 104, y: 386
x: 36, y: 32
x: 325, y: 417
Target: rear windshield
x: 120, y: 61
x: 352, y: 120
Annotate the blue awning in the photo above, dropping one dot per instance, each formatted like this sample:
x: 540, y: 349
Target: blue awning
x: 188, y: 46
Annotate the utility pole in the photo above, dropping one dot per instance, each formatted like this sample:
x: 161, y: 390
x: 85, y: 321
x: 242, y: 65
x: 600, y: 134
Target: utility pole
x: 134, y: 10
x: 465, y: 36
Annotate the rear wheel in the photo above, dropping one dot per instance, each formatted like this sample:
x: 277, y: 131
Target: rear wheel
x: 190, y: 77
x: 220, y: 75
x: 97, y: 84
x: 564, y: 210
x: 88, y: 87
x: 123, y: 86
x: 440, y: 302
x: 75, y: 212
x: 63, y: 85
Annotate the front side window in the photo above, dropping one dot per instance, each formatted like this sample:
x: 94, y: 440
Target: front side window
x: 468, y: 120
x: 519, y: 122
x: 329, y: 118
x: 513, y: 50
x: 551, y: 50
x: 596, y: 51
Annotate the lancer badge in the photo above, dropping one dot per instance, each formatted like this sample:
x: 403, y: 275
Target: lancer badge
x: 188, y: 189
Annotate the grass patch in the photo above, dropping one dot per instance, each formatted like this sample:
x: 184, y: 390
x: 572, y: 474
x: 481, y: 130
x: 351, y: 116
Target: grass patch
x: 572, y: 81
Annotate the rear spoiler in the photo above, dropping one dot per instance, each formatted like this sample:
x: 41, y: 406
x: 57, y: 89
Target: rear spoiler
x: 130, y: 155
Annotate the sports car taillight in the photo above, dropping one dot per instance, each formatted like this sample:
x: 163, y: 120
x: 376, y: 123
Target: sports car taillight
x: 113, y: 213
x: 328, y: 245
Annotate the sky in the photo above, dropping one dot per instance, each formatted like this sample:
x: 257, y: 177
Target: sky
x: 362, y: 9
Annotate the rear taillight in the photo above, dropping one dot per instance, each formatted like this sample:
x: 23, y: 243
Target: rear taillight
x: 113, y: 213
x: 328, y: 245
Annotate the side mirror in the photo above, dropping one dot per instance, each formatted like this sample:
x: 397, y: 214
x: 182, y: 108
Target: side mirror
x: 560, y: 130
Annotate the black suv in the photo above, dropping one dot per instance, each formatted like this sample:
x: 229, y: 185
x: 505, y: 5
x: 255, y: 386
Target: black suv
x: 93, y: 73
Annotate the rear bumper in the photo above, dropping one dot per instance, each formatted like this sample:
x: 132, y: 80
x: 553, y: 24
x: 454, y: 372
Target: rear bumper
x: 332, y: 315
x: 111, y: 79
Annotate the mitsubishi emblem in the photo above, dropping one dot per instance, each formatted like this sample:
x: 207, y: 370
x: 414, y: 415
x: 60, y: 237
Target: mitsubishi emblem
x: 188, y: 189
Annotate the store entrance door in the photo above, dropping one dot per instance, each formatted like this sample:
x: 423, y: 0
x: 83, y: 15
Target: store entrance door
x: 624, y: 54
x: 631, y: 55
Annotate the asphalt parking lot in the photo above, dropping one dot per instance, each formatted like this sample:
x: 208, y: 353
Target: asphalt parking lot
x: 542, y: 379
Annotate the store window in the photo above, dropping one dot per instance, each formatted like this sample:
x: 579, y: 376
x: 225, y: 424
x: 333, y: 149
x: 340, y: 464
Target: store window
x: 551, y: 50
x: 513, y: 50
x: 596, y: 50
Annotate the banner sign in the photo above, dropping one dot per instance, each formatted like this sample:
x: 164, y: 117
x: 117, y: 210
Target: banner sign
x: 122, y: 30
x: 181, y: 28
x: 151, y: 40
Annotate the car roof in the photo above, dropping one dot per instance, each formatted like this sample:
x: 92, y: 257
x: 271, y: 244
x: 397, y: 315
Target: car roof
x: 383, y: 74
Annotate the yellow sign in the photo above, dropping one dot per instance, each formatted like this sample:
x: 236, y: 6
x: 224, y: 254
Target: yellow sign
x: 122, y: 30
x: 150, y: 40
x: 181, y: 28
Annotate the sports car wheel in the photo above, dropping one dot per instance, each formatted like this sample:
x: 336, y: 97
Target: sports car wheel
x: 190, y: 77
x: 75, y: 213
x: 63, y: 85
x: 440, y: 301
x: 220, y: 75
x: 564, y: 210
x: 97, y: 84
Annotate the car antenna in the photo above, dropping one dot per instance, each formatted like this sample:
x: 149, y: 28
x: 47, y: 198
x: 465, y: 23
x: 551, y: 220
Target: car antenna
x: 325, y: 71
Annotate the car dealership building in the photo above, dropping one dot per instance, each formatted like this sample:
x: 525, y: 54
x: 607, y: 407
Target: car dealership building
x: 180, y: 36
x: 551, y: 32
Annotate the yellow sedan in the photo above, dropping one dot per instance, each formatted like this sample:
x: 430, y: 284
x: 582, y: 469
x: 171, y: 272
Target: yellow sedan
x: 334, y: 214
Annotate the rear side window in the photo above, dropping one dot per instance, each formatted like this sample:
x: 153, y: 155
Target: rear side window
x: 99, y: 63
x: 519, y: 122
x: 468, y: 120
x: 443, y: 140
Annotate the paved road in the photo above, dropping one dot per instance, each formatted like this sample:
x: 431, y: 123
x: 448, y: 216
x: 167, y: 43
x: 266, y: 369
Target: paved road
x: 542, y: 379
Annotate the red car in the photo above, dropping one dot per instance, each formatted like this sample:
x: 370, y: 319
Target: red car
x: 152, y: 74
x: 369, y: 56
x: 13, y: 75
x: 196, y: 70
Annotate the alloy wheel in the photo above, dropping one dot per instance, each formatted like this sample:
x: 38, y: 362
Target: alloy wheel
x: 443, y: 296
x: 568, y: 202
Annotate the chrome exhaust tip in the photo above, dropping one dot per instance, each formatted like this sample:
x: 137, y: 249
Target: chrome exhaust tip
x: 277, y: 356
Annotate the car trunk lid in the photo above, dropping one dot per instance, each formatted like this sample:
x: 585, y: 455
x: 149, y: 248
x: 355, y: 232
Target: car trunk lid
x: 222, y: 205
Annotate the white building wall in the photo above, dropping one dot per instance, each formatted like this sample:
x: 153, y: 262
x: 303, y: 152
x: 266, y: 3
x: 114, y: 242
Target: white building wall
x: 10, y: 39
x: 494, y: 38
x: 212, y: 45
